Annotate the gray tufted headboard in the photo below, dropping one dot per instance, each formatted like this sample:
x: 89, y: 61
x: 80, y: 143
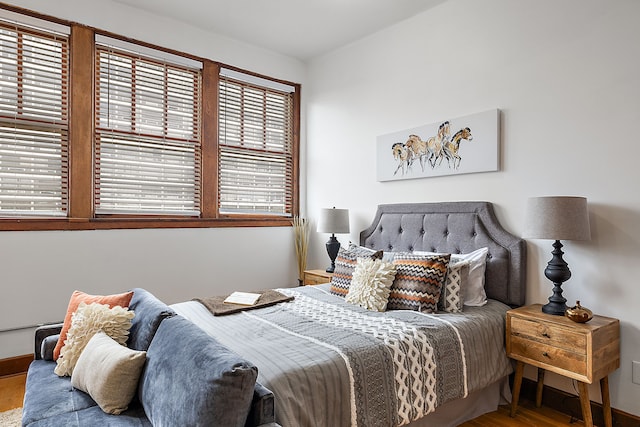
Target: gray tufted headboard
x: 454, y: 227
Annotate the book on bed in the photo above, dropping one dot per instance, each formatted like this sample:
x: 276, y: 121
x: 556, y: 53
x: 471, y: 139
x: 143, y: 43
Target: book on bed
x: 242, y: 298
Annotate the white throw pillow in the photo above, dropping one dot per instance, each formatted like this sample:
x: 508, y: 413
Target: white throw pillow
x: 108, y: 372
x: 452, y: 295
x: 371, y: 284
x: 474, y: 294
x: 85, y: 322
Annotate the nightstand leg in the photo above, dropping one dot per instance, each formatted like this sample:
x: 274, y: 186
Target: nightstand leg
x: 517, y: 382
x: 606, y: 401
x: 539, y: 387
x: 585, y: 403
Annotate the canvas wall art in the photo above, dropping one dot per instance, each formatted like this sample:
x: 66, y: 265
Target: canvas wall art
x: 449, y: 147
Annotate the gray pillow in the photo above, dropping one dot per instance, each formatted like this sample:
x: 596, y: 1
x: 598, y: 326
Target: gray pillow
x: 150, y: 311
x: 191, y: 379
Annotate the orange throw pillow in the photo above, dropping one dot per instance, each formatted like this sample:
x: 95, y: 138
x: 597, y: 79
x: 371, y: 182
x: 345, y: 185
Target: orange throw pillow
x: 77, y: 297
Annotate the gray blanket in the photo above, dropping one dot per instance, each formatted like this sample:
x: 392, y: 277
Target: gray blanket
x: 330, y: 363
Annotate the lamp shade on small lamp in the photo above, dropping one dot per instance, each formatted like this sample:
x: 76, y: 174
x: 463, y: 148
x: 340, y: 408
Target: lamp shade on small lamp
x: 334, y: 221
x: 557, y: 218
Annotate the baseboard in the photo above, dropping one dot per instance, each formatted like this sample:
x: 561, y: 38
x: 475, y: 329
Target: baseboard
x: 15, y: 365
x: 569, y: 404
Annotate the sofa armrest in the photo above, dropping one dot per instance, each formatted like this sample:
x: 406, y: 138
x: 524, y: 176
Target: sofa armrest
x: 41, y: 334
x: 262, y: 412
x: 48, y: 345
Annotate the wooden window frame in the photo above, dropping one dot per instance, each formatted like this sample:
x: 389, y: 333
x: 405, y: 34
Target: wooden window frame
x: 243, y: 102
x: 146, y: 80
x: 81, y: 215
x: 34, y: 118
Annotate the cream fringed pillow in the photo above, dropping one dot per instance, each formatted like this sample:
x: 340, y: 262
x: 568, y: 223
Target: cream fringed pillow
x: 371, y: 283
x: 85, y: 322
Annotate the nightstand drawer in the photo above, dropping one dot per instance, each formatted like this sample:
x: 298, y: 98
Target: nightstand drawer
x: 549, y: 334
x: 316, y: 277
x: 572, y: 364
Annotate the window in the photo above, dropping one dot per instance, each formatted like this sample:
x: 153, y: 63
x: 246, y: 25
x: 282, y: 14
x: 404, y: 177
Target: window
x: 100, y: 132
x: 255, y: 159
x: 147, y: 143
x: 33, y: 121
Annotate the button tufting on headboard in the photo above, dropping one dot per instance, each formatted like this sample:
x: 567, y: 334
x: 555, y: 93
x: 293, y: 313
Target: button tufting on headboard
x: 454, y: 227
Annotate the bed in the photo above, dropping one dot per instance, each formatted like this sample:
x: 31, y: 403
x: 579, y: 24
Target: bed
x: 331, y: 363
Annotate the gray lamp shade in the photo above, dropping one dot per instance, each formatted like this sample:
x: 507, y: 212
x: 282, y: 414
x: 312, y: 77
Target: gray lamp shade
x: 557, y: 218
x: 333, y: 221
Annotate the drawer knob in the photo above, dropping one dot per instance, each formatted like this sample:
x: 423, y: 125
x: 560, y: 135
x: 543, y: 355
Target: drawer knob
x: 546, y: 335
x: 545, y: 354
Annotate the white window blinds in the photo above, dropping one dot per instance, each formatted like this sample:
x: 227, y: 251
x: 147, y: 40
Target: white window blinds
x: 33, y: 121
x: 255, y: 154
x: 148, y: 150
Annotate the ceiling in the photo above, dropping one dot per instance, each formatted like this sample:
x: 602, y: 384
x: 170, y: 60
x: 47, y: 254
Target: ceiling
x: 300, y: 29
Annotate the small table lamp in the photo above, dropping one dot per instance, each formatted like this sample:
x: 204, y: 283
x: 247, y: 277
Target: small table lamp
x: 557, y: 218
x: 333, y: 221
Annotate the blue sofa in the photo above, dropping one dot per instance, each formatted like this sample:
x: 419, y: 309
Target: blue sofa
x: 189, y: 379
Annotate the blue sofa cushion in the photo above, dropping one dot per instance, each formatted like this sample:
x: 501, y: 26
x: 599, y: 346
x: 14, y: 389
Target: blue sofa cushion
x: 94, y: 416
x: 192, y: 380
x: 150, y: 311
x: 50, y: 395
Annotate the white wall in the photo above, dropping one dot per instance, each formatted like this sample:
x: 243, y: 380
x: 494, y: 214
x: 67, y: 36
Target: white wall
x: 566, y: 76
x: 41, y: 269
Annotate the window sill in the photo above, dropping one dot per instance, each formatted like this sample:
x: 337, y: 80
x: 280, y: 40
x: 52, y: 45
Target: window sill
x: 35, y: 224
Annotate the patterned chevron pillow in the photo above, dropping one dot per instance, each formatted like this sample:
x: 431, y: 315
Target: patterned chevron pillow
x: 418, y: 283
x: 346, y: 264
x: 452, y: 295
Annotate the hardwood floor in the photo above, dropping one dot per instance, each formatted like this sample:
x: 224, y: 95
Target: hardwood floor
x: 12, y: 393
x: 527, y: 416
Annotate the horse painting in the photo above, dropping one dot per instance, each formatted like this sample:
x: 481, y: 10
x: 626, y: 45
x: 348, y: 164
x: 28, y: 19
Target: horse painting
x: 418, y: 149
x: 435, y: 145
x: 431, y: 150
x: 452, y: 147
x: 403, y: 156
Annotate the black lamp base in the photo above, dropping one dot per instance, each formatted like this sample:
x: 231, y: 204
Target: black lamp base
x: 557, y: 304
x: 558, y: 272
x: 333, y: 246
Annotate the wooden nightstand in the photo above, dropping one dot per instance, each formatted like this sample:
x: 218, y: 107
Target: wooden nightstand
x: 316, y: 277
x: 586, y: 352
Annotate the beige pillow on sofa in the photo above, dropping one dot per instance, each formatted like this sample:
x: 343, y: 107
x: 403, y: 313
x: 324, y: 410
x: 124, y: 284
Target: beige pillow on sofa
x: 85, y: 322
x: 108, y: 372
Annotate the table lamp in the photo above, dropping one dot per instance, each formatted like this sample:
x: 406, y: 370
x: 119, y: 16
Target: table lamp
x: 557, y: 218
x: 333, y: 221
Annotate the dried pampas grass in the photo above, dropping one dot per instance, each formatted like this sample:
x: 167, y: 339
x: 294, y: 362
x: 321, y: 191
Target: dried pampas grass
x: 301, y: 229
